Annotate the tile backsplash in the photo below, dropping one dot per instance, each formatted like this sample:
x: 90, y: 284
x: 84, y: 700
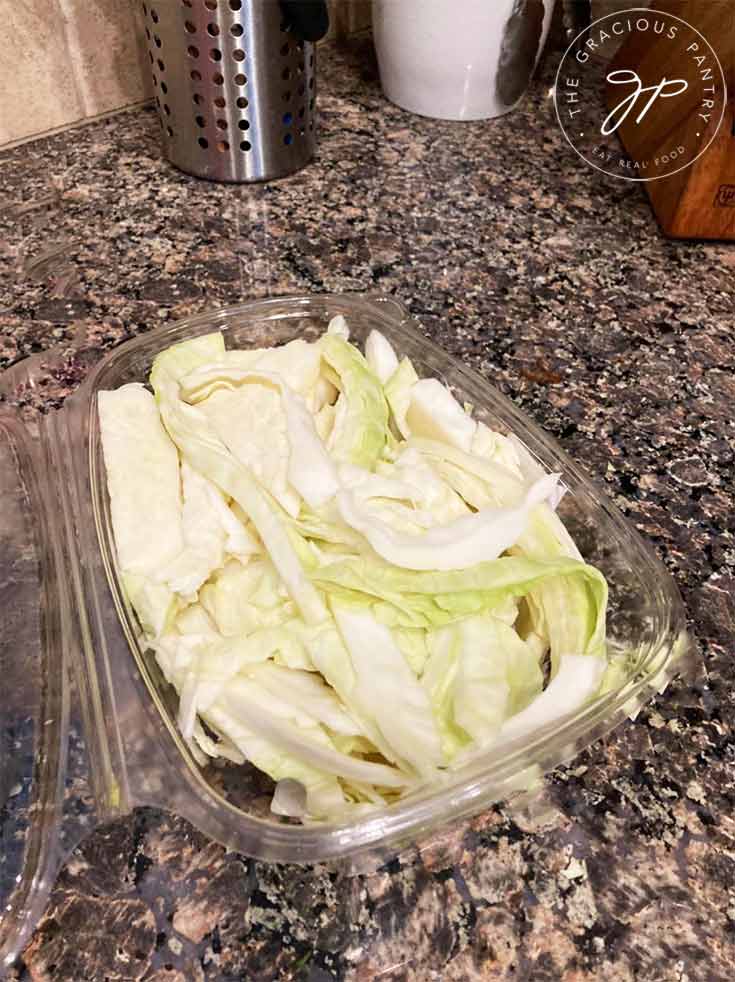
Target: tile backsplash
x: 69, y: 60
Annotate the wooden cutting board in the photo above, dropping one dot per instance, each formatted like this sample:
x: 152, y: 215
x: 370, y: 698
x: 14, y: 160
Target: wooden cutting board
x: 699, y: 201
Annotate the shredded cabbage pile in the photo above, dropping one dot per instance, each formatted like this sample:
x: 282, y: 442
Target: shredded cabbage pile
x: 350, y: 582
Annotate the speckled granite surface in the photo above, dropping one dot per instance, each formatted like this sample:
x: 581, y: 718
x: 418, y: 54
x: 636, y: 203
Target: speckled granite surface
x: 556, y: 285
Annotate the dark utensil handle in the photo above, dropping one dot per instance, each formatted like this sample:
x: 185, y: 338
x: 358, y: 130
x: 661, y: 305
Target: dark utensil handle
x: 577, y: 15
x: 309, y: 19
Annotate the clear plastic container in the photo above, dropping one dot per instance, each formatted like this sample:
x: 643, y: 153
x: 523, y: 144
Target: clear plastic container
x: 88, y: 723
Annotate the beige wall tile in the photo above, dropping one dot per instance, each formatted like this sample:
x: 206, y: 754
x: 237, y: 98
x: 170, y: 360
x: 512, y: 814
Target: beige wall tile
x: 107, y: 51
x: 37, y: 87
x: 67, y: 60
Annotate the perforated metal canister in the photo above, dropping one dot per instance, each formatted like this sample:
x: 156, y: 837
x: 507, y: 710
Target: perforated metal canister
x: 235, y: 87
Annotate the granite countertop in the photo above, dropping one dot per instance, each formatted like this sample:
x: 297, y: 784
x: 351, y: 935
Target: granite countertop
x: 555, y: 283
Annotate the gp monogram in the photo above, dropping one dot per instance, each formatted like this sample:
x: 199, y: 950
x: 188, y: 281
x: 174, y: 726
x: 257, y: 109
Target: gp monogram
x: 640, y: 68
x: 666, y: 89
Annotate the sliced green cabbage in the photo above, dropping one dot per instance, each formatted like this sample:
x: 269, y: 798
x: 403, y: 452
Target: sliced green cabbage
x: 413, y: 643
x: 438, y: 679
x: 307, y: 691
x: 498, y: 676
x: 499, y: 449
x: 398, y: 389
x: 310, y: 469
x: 285, y: 727
x: 576, y: 681
x: 146, y: 510
x: 434, y: 413
x: 431, y: 495
x: 351, y: 584
x: 181, y: 359
x: 497, y: 478
x: 298, y: 364
x: 387, y: 691
x: 481, y: 692
x: 492, y: 480
x: 339, y: 328
x: 429, y: 599
x: 241, y: 599
x: 219, y: 747
x: 380, y: 356
x: 362, y: 429
x: 197, y: 443
x: 324, y: 795
x: 458, y: 545
x: 203, y: 532
x: 330, y: 657
x: 154, y: 603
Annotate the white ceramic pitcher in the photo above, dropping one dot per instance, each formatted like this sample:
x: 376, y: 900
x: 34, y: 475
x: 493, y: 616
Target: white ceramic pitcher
x: 459, y: 59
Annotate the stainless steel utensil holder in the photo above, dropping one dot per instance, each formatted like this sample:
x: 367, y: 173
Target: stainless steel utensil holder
x: 235, y: 88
